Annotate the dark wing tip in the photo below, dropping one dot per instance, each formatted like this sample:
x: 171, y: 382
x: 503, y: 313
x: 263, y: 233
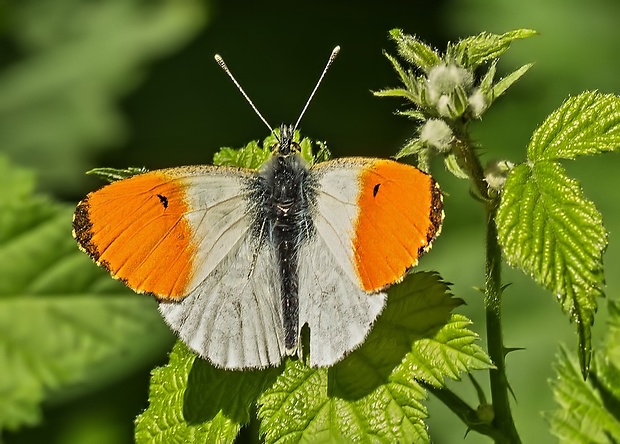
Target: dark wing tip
x: 83, y: 230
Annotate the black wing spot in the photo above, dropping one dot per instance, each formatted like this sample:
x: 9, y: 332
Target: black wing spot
x: 163, y: 200
x: 375, y: 190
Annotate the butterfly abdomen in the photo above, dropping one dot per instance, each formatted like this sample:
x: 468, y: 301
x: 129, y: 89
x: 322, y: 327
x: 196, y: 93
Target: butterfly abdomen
x: 284, y: 218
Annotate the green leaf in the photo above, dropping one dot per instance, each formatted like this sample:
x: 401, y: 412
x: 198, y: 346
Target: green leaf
x: 253, y: 155
x: 551, y: 231
x: 374, y: 394
x: 452, y: 164
x: 397, y: 92
x: 192, y: 401
x: 546, y: 225
x: 66, y: 327
x: 405, y: 77
x: 413, y: 86
x: 323, y: 154
x: 608, y: 358
x: 114, y: 174
x: 506, y: 82
x: 413, y: 146
x: 413, y: 115
x: 589, y: 411
x: 612, y: 343
x: 486, y: 82
x: 475, y: 50
x: 586, y: 411
x: 73, y: 72
x: 414, y: 50
x: 586, y: 124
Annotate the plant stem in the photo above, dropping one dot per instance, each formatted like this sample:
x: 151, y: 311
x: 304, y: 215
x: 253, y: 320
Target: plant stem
x: 468, y: 415
x: 492, y: 296
x: 495, y: 344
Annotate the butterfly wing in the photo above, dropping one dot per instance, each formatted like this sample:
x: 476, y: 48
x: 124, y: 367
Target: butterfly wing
x: 142, y: 229
x: 234, y: 316
x: 373, y: 218
x: 184, y: 235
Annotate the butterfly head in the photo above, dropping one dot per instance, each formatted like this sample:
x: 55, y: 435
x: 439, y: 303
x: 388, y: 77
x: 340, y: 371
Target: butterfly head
x: 287, y: 145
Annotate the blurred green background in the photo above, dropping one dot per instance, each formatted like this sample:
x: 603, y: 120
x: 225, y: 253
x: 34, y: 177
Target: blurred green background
x: 133, y: 83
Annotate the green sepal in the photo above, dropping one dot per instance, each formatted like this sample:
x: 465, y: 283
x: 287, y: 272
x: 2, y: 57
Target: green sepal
x: 114, y: 174
x: 414, y: 50
x: 473, y: 51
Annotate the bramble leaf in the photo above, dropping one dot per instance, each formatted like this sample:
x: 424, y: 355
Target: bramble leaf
x: 192, y: 401
x: 589, y: 410
x: 551, y: 231
x: 374, y: 393
x: 253, y: 155
x: 546, y: 226
x: 583, y: 416
x: 586, y: 124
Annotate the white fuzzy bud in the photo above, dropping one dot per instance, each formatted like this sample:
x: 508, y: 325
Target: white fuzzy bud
x: 443, y: 80
x: 496, y: 173
x: 437, y: 134
x: 477, y: 103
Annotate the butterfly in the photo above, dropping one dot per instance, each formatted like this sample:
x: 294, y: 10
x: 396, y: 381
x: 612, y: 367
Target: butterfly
x: 241, y: 260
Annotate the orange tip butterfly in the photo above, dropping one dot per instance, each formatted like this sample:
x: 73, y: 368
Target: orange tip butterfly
x: 240, y: 260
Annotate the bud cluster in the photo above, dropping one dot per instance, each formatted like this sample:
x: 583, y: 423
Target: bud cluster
x: 448, y: 90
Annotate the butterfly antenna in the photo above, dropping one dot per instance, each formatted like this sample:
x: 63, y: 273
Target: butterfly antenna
x: 331, y: 59
x: 220, y: 61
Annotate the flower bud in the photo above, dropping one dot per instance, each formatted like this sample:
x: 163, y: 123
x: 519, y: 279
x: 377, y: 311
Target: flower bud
x: 437, y: 134
x: 477, y: 103
x: 443, y: 80
x: 496, y: 173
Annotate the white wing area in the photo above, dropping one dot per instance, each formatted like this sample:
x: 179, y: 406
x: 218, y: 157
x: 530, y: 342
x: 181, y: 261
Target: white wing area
x: 234, y: 317
x: 336, y: 209
x: 339, y: 313
x: 217, y: 198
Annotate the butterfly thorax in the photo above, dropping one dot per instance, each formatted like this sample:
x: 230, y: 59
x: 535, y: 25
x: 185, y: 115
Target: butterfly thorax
x: 284, y: 196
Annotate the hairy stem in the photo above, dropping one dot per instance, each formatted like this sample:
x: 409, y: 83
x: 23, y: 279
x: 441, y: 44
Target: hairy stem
x: 468, y: 415
x: 492, y: 296
x: 495, y: 344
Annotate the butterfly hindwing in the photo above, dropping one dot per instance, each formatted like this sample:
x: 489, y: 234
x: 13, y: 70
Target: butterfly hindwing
x: 234, y: 316
x: 338, y: 313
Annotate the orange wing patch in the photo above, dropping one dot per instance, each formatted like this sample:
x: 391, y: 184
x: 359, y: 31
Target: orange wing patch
x: 136, y: 229
x: 400, y: 214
